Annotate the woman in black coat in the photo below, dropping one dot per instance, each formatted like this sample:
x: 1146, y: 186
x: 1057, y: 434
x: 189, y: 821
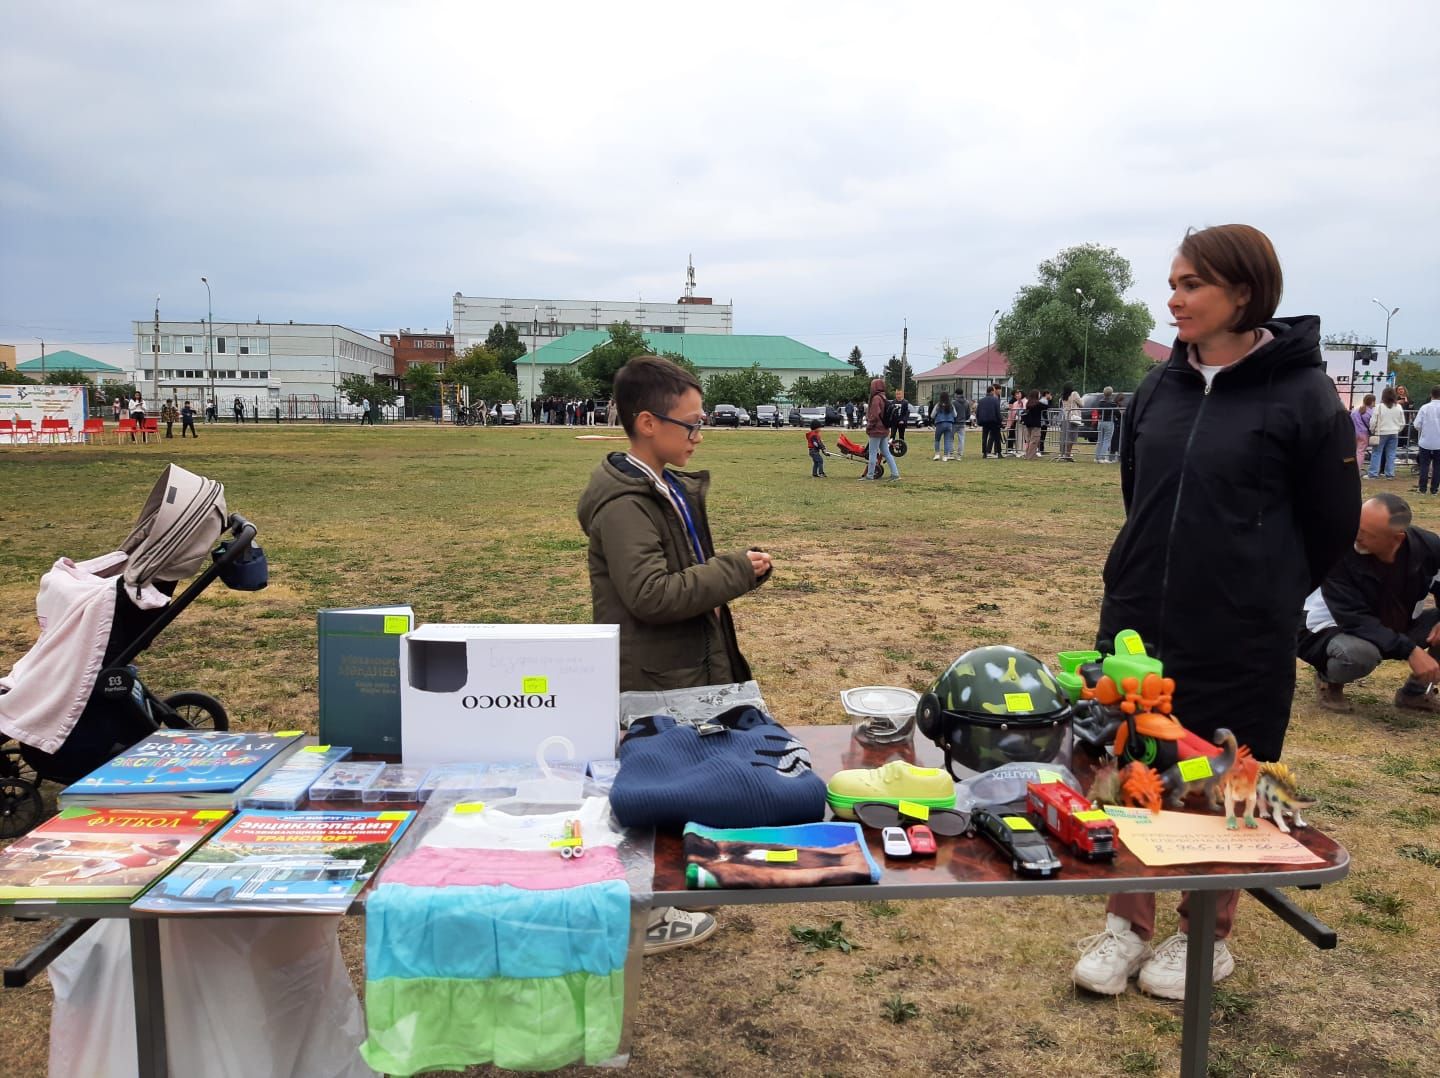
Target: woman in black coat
x: 1240, y: 487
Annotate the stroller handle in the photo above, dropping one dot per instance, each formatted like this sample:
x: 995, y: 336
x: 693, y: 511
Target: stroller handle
x: 236, y: 524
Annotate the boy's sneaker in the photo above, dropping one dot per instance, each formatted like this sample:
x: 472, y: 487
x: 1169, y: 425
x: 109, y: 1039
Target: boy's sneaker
x: 1109, y: 959
x: 669, y: 928
x: 937, y: 457
x: 1164, y: 974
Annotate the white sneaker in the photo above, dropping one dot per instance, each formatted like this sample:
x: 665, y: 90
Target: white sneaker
x: 944, y: 458
x: 669, y: 928
x: 1164, y: 974
x: 937, y: 457
x: 1109, y: 959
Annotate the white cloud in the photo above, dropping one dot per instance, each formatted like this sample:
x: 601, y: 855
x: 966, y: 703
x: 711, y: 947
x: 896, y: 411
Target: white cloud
x: 833, y: 168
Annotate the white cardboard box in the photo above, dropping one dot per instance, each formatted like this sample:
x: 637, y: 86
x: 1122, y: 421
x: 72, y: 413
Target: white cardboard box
x: 492, y: 693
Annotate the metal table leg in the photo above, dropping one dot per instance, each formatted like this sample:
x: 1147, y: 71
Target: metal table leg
x: 1199, y: 987
x: 150, y: 1051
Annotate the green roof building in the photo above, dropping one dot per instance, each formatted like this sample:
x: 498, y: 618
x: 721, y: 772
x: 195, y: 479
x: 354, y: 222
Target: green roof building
x: 710, y: 352
x: 66, y: 360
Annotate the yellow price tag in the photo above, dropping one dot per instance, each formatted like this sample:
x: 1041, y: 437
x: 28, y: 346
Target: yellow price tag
x: 1196, y: 768
x: 1019, y: 823
x: 211, y: 814
x: 782, y: 855
x: 532, y: 685
x: 316, y: 748
x: 1133, y: 644
x: 1018, y: 701
x: 391, y: 817
x: 396, y: 624
x: 469, y: 808
x: 1042, y: 775
x: 288, y: 733
x: 1091, y: 815
x: 914, y: 809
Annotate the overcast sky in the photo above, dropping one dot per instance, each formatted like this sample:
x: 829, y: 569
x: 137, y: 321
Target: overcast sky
x: 834, y: 169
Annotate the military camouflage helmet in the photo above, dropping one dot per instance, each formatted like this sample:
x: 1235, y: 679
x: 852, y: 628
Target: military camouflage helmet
x: 995, y: 705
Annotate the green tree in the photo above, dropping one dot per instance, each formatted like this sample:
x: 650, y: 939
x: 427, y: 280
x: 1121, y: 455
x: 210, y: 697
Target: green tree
x: 892, y: 377
x: 857, y: 361
x: 830, y: 389
x: 747, y: 388
x: 948, y: 352
x: 66, y: 377
x: 422, y: 386
x: 601, y: 362
x: 1051, y: 329
x: 505, y: 343
x: 13, y: 378
x: 357, y: 389
x: 497, y: 386
x: 565, y: 382
x: 683, y: 363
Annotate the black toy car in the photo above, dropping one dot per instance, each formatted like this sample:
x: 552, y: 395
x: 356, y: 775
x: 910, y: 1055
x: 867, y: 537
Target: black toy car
x: 1016, y: 838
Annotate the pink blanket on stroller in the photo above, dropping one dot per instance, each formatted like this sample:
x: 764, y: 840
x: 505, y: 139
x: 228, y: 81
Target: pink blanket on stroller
x: 42, y: 697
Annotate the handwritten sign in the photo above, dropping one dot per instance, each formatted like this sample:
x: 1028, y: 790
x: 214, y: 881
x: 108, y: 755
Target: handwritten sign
x: 1192, y: 838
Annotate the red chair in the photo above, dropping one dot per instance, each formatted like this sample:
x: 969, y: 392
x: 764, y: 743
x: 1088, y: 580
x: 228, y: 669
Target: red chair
x: 151, y: 426
x: 7, y: 430
x: 91, y: 428
x: 124, y: 427
x: 55, y: 429
x: 24, y: 429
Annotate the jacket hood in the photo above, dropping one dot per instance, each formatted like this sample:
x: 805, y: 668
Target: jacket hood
x: 877, y: 385
x: 1296, y: 345
x: 615, y: 477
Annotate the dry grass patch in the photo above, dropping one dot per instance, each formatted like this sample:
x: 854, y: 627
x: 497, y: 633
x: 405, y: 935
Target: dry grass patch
x: 873, y: 583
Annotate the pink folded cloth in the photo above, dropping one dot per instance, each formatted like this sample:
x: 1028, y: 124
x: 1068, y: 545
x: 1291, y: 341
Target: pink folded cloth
x: 532, y: 870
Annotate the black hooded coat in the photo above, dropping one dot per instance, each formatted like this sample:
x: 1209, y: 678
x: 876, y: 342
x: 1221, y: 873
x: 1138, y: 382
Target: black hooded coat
x: 1238, y: 499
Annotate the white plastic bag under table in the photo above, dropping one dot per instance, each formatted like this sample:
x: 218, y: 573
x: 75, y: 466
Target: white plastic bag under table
x: 251, y: 997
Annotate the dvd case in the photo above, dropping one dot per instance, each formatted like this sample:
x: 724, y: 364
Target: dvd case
x: 453, y: 777
x: 398, y: 782
x: 346, y: 781
x: 288, y: 788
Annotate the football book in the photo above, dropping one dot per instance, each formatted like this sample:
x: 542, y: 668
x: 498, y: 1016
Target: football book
x: 87, y: 854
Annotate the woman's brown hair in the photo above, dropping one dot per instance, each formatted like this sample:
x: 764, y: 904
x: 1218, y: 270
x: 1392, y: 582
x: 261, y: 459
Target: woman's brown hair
x: 1237, y: 256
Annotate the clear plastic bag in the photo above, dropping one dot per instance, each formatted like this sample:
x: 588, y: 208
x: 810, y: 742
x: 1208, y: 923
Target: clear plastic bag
x: 484, y: 944
x: 1005, y: 785
x: 690, y: 705
x: 245, y: 997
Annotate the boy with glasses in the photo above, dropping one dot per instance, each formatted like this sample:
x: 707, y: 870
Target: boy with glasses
x: 653, y: 566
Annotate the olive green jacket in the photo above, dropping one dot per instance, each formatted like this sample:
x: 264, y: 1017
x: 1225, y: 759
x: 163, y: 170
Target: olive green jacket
x: 675, y: 629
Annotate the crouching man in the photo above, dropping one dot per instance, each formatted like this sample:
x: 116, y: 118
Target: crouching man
x: 1372, y: 607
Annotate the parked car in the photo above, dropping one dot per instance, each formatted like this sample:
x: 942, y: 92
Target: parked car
x: 725, y: 415
x: 827, y: 414
x: 744, y: 416
x: 506, y: 415
x: 1089, y: 426
x: 767, y: 415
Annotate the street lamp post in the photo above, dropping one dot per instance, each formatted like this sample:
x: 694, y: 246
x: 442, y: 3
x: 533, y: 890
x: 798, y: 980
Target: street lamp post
x: 209, y: 331
x: 534, y: 333
x: 42, y: 357
x: 1389, y: 314
x: 988, y: 327
x: 1085, y: 352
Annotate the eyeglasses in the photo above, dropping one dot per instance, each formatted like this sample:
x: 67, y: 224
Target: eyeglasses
x: 692, y: 430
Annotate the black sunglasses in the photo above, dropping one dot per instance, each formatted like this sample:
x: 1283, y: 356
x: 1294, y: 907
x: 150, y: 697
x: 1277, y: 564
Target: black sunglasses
x: 946, y: 822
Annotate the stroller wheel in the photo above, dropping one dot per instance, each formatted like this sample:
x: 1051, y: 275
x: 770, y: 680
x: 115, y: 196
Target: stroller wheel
x: 20, y: 807
x: 196, y: 710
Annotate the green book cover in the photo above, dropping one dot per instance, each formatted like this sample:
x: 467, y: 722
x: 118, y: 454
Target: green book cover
x: 360, y: 677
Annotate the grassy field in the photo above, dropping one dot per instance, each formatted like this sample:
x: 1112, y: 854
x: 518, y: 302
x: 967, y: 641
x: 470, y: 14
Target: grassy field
x: 873, y: 583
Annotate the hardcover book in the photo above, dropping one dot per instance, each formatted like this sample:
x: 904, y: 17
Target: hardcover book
x: 360, y: 677
x: 183, y: 769
x: 88, y: 854
x: 281, y: 862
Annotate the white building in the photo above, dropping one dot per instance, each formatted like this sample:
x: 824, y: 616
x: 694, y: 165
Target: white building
x: 539, y: 321
x: 296, y: 368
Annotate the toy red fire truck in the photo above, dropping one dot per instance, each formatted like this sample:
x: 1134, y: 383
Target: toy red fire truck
x: 1070, y: 818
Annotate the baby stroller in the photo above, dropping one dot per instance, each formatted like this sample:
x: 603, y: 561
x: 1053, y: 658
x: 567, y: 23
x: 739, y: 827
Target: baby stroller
x: 75, y: 700
x: 859, y: 452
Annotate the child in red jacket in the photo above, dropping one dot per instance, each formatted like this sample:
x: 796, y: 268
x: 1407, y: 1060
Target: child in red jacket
x: 818, y: 452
